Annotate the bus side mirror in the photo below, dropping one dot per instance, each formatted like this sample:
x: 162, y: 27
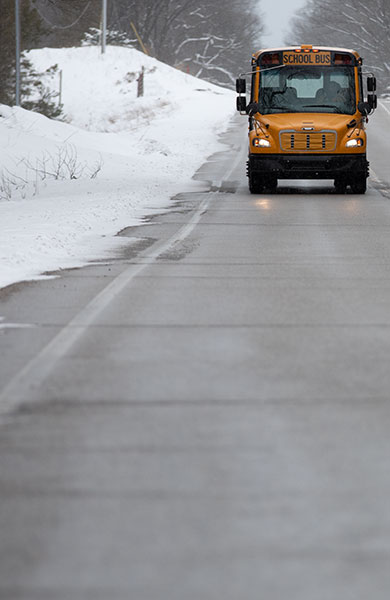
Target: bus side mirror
x: 371, y: 83
x: 240, y: 86
x: 241, y: 104
x: 372, y: 100
x: 364, y: 108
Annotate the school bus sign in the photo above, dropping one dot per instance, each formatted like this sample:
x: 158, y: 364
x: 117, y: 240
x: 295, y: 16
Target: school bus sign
x: 307, y: 58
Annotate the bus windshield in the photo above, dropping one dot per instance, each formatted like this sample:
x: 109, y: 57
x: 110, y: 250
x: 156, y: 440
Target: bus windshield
x: 307, y: 89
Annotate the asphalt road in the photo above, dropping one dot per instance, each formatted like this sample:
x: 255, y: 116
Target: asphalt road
x: 207, y: 415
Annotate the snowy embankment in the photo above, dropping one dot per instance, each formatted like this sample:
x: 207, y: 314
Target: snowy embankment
x: 66, y: 189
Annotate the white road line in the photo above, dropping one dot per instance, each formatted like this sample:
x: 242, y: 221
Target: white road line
x: 372, y: 172
x: 384, y: 106
x: 238, y: 159
x: 29, y: 379
x: 16, y: 326
x: 373, y: 175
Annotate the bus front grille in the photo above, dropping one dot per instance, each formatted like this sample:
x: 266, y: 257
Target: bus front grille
x: 316, y: 141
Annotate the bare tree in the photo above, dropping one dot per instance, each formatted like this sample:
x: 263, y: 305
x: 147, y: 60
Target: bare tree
x: 155, y: 20
x: 67, y: 21
x: 363, y: 25
x: 210, y: 38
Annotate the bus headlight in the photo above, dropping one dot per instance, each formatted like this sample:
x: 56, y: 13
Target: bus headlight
x: 261, y: 143
x: 354, y: 143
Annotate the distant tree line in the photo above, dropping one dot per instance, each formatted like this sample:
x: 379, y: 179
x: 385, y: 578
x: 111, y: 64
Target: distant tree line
x: 211, y: 39
x: 363, y: 25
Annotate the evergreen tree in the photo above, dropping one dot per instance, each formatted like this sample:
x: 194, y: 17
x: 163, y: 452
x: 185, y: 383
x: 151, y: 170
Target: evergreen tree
x: 31, y: 29
x: 34, y: 95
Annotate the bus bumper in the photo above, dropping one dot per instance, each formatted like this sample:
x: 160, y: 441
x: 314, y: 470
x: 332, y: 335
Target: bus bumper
x: 308, y: 166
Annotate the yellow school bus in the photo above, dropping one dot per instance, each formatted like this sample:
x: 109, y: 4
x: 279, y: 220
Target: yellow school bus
x: 307, y: 117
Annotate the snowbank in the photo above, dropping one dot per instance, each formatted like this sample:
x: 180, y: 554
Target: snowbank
x: 129, y: 155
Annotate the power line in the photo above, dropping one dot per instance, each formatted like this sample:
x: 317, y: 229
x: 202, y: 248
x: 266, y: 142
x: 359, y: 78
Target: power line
x: 61, y: 26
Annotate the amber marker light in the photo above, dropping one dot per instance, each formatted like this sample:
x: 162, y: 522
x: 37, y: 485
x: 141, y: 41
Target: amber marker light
x: 355, y: 143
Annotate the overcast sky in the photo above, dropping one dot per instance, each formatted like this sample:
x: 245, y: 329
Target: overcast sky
x: 277, y: 14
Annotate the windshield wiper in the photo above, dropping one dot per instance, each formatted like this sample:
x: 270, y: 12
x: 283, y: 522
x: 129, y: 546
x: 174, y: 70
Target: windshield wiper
x: 336, y: 109
x: 286, y: 108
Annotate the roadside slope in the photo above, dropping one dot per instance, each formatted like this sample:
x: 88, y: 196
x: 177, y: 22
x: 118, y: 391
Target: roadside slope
x: 66, y: 189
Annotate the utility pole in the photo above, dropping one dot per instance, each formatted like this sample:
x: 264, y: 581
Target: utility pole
x: 104, y: 25
x: 17, y: 57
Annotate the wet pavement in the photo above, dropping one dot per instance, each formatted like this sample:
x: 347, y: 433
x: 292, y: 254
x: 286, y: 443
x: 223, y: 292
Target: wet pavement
x: 207, y: 414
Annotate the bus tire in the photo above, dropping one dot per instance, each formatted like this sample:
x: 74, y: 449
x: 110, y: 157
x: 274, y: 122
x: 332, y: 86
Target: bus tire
x: 340, y: 185
x: 256, y: 184
x: 359, y: 184
x: 270, y: 184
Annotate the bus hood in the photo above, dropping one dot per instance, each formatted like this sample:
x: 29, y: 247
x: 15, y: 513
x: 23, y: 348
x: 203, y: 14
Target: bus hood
x: 307, y: 121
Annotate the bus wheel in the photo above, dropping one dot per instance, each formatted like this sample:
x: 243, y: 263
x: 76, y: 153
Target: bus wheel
x: 340, y: 185
x: 256, y: 184
x: 271, y: 183
x: 359, y: 184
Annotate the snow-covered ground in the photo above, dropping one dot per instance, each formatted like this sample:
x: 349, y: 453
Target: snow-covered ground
x: 128, y: 155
